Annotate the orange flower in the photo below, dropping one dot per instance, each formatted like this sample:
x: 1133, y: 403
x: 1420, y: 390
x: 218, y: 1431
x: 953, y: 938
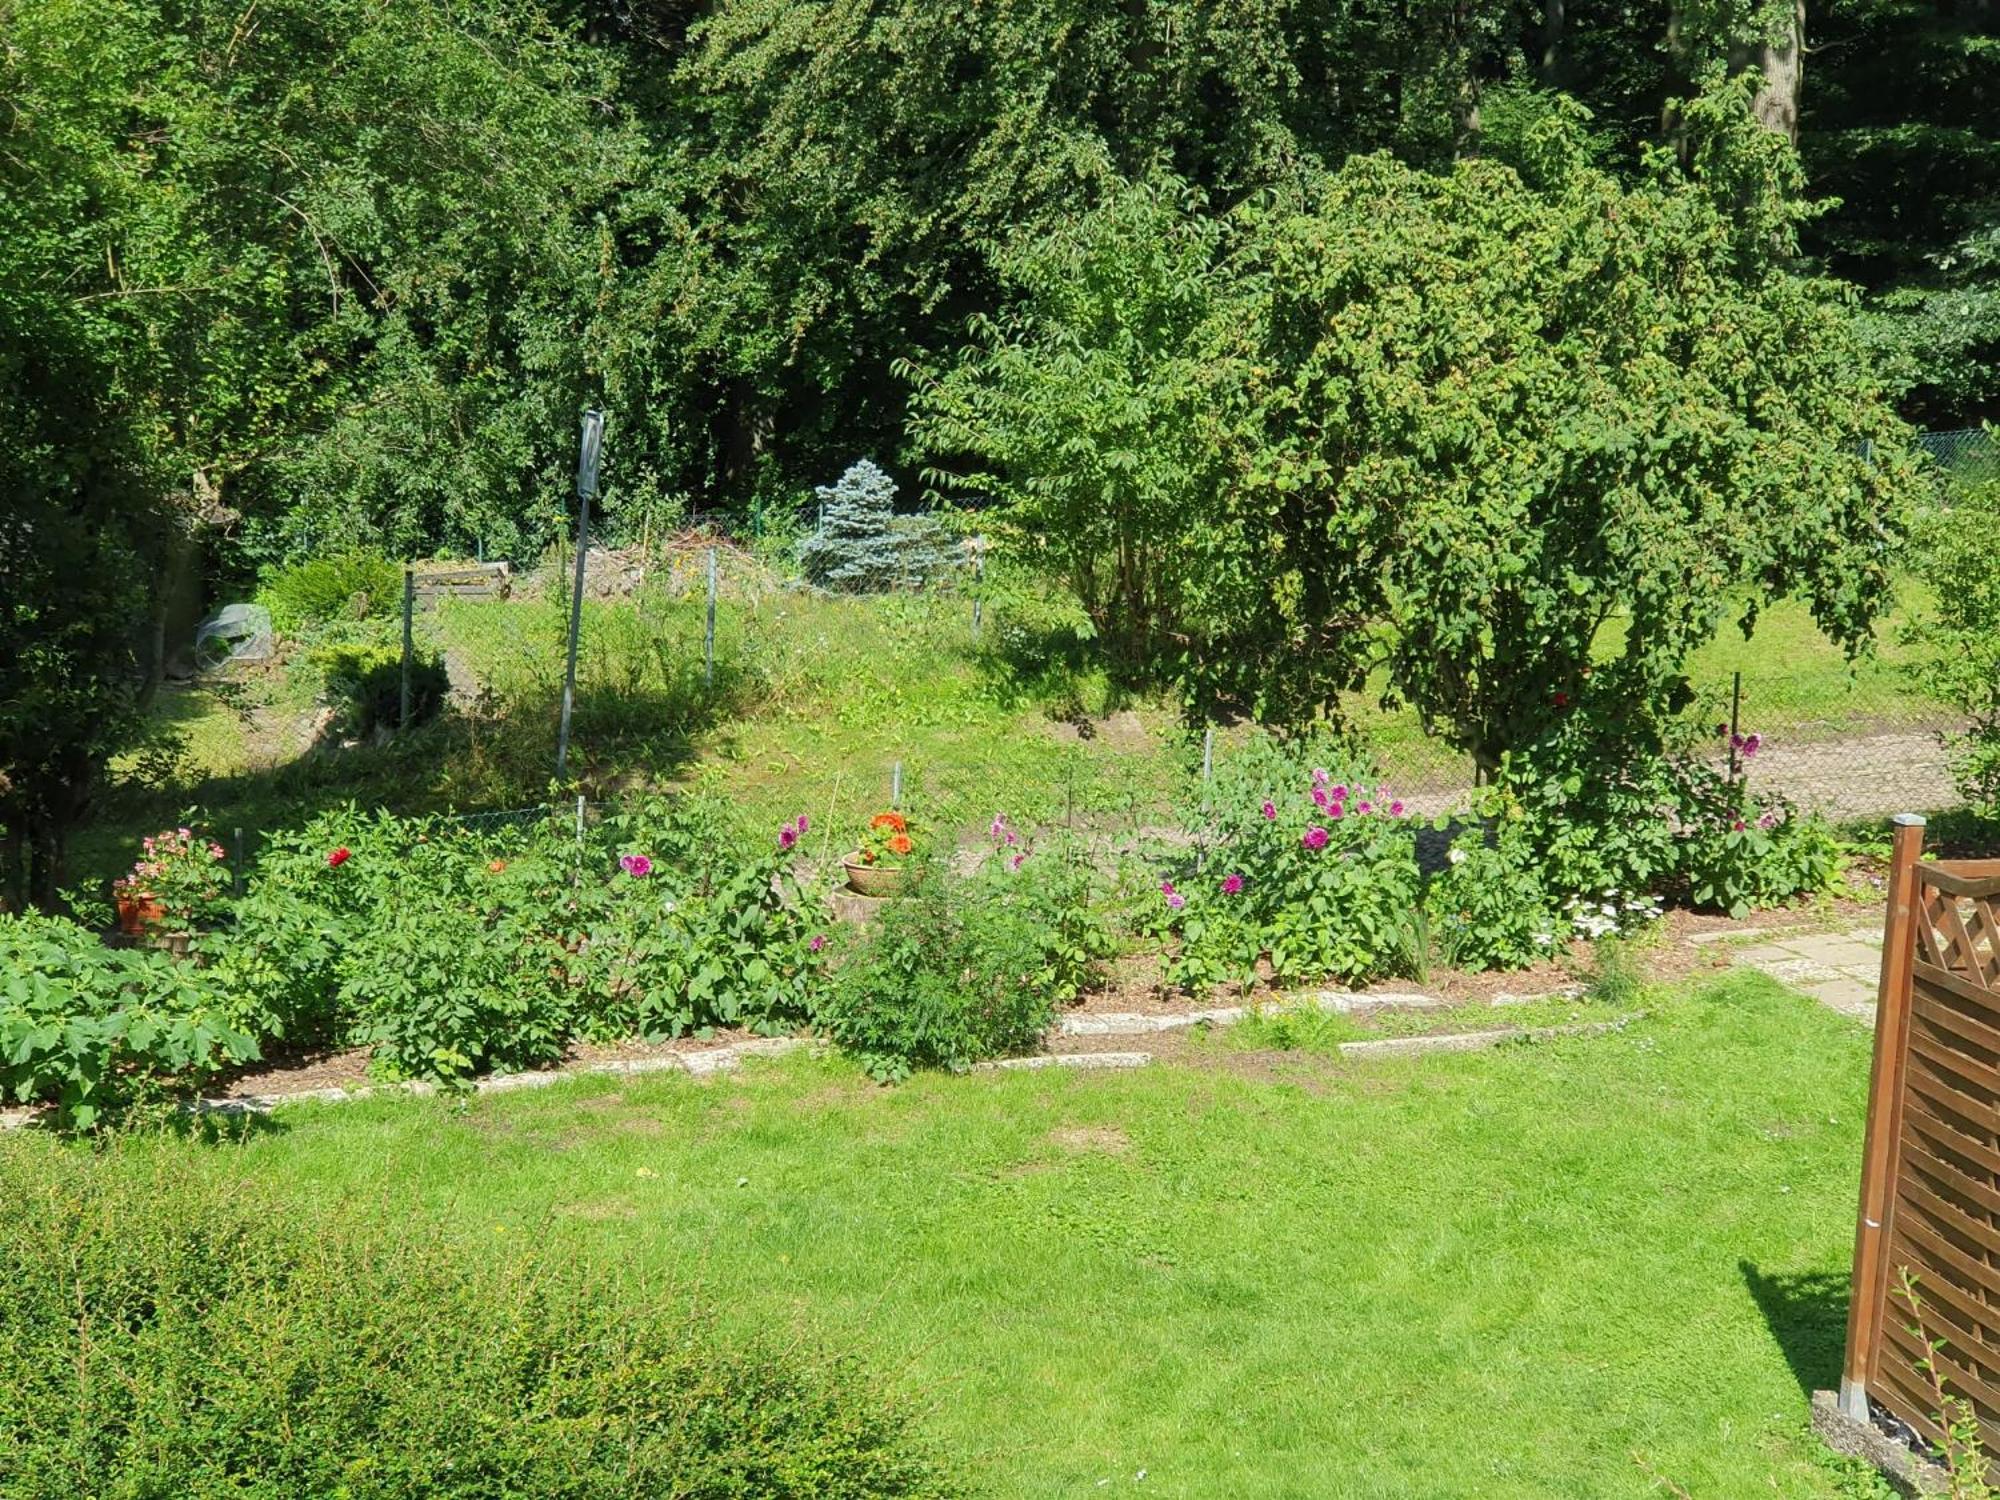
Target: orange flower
x: 889, y: 820
x: 496, y: 867
x: 900, y: 844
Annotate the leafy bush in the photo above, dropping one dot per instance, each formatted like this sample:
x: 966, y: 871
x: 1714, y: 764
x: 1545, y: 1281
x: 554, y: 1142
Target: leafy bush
x: 1953, y: 552
x: 451, y: 948
x: 368, y: 680
x: 351, y: 586
x: 962, y: 969
x: 1488, y: 907
x: 1317, y: 867
x: 1736, y: 854
x: 90, y: 1028
x: 702, y: 926
x: 168, y: 1332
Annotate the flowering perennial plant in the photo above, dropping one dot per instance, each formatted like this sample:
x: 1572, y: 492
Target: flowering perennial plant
x: 891, y: 838
x: 180, y: 870
x: 1314, y: 868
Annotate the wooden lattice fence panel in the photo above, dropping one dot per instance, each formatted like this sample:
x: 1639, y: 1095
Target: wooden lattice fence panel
x: 1931, y: 1175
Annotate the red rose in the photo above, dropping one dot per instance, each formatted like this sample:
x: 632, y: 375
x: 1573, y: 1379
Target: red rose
x: 339, y: 857
x: 1562, y: 700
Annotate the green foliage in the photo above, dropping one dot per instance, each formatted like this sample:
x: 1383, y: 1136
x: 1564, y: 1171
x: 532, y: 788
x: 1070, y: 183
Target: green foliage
x: 169, y: 1334
x: 452, y: 949
x: 1736, y: 854
x: 1315, y: 866
x: 1953, y: 552
x: 353, y: 585
x: 90, y: 1028
x: 1488, y: 908
x: 961, y: 969
x: 368, y: 680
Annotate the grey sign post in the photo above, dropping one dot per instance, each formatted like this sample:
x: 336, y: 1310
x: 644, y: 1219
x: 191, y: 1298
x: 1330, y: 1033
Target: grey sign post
x: 586, y: 487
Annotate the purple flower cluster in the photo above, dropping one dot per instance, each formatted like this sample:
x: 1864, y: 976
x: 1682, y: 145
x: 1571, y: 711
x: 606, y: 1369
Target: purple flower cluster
x: 1745, y: 745
x: 1175, y: 900
x: 791, y: 833
x: 638, y: 866
x: 1006, y: 836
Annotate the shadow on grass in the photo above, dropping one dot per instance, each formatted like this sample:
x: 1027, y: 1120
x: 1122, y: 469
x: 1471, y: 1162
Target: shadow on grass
x: 1807, y: 1314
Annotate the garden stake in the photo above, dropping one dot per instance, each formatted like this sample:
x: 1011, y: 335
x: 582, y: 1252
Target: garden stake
x: 409, y: 609
x: 708, y: 641
x: 896, y: 785
x: 236, y: 866
x: 1735, y: 721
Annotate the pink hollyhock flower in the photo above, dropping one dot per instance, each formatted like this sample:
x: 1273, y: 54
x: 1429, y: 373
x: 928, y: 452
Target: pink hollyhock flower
x: 1753, y: 744
x: 1769, y: 820
x: 1232, y: 885
x: 999, y: 828
x: 1015, y: 863
x: 338, y: 857
x: 638, y: 866
x: 818, y: 942
x: 1166, y: 888
x: 803, y: 825
x: 1737, y: 826
x: 1315, y: 836
x: 1365, y: 808
x: 787, y: 836
x: 1175, y: 901
x: 1320, y: 798
x: 1336, y: 811
x: 1270, y: 811
x: 1340, y: 793
x: 1395, y: 809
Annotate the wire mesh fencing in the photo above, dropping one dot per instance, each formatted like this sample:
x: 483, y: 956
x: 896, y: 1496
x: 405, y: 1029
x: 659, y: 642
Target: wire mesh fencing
x: 1962, y: 458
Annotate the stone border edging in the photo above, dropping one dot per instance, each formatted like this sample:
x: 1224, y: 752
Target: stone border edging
x: 705, y: 1064
x: 1475, y: 1041
x: 1906, y: 1472
x: 1328, y: 1002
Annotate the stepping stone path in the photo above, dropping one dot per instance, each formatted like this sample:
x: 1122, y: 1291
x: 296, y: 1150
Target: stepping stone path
x: 1841, y: 970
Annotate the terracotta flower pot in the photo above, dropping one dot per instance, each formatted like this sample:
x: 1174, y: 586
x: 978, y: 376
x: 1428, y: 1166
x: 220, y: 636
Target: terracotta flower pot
x: 873, y: 880
x: 136, y: 913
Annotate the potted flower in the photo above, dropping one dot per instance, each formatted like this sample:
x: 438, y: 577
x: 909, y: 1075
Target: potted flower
x: 176, y: 882
x: 881, y: 863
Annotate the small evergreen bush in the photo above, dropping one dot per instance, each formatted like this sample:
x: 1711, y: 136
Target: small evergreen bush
x: 862, y: 546
x: 168, y: 1330
x: 353, y: 585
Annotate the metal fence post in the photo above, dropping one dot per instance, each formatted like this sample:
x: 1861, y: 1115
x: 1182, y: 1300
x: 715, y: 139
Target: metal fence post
x: 586, y: 485
x: 409, y: 643
x: 708, y: 636
x: 236, y: 866
x: 896, y: 785
x: 1735, y: 723
x: 1869, y: 1285
x: 978, y: 578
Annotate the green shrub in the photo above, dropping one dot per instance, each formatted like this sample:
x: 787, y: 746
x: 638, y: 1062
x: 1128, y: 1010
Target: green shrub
x: 702, y: 924
x: 962, y: 969
x: 1315, y: 866
x: 90, y: 1028
x: 1737, y: 854
x: 452, y: 948
x: 1488, y: 907
x: 368, y: 682
x: 352, y: 586
x: 168, y: 1331
x: 1952, y: 551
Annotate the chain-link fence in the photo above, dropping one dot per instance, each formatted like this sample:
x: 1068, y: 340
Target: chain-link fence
x: 1963, y: 457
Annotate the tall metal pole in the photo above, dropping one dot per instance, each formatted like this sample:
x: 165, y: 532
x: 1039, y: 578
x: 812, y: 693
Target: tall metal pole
x: 708, y: 637
x: 409, y: 643
x: 586, y: 486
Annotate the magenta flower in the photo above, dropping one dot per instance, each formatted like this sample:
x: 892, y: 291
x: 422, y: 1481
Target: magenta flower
x: 1365, y: 808
x: 1737, y: 826
x: 787, y: 836
x: 1753, y: 744
x: 1320, y: 798
x: 1321, y: 776
x: 1270, y: 811
x: 1769, y: 820
x: 1232, y: 885
x: 635, y: 865
x: 1015, y: 863
x: 1340, y: 793
x: 1315, y: 836
x: 1395, y: 809
x: 1336, y: 811
x: 999, y: 827
x: 803, y: 825
x: 1175, y: 901
x: 1166, y: 888
x: 818, y: 942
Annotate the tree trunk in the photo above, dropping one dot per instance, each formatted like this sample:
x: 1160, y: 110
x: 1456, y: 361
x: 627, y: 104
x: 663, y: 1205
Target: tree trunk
x: 1551, y: 70
x: 1781, y: 59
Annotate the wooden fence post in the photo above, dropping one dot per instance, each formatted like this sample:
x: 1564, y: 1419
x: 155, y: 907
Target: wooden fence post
x: 1878, y: 1152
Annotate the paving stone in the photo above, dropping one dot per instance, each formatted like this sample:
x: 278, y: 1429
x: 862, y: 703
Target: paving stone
x: 1799, y: 972
x: 1841, y: 953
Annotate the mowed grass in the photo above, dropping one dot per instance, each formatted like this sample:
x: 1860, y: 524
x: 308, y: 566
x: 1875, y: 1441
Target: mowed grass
x: 1560, y: 1269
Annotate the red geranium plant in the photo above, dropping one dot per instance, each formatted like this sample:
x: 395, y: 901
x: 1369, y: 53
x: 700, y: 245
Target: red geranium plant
x: 891, y: 838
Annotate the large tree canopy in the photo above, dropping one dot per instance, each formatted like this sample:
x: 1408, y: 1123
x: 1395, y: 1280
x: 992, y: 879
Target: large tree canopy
x: 1460, y: 426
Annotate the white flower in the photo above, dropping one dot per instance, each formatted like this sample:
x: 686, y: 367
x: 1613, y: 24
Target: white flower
x: 1457, y: 856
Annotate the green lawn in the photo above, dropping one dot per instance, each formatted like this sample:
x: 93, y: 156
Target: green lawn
x: 1524, y: 1272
